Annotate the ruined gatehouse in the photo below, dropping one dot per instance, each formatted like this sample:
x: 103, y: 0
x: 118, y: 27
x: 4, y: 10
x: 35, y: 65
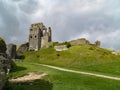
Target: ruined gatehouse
x: 39, y: 36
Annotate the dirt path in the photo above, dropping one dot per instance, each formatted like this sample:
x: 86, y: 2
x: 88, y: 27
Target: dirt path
x: 80, y: 72
x: 29, y: 77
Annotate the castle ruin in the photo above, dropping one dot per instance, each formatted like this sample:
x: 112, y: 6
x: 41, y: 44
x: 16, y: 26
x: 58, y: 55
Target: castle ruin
x: 81, y: 41
x: 39, y: 36
x: 84, y: 41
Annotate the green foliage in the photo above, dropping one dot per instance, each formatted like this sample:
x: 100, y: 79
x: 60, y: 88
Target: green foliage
x: 2, y: 45
x: 55, y: 43
x: 1, y: 39
x: 67, y: 44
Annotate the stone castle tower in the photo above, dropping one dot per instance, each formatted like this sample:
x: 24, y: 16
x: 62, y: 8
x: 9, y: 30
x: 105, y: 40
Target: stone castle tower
x: 39, y: 36
x: 97, y: 43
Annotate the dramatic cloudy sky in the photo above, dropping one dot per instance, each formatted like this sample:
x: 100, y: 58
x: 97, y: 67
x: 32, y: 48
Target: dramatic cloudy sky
x: 69, y: 19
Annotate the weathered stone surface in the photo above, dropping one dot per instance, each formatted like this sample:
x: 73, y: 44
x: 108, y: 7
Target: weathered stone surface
x: 23, y: 48
x: 60, y: 48
x: 49, y: 34
x: 2, y: 46
x: 39, y: 36
x: 5, y: 63
x: 11, y: 51
x: 116, y: 53
x: 5, y: 66
x: 97, y: 43
x: 81, y: 41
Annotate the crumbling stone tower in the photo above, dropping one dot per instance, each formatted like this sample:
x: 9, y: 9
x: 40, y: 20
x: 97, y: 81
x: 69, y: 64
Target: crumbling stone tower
x: 97, y: 43
x: 39, y: 36
x: 46, y: 38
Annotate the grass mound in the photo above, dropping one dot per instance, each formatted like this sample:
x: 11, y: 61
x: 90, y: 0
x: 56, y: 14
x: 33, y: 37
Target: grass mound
x: 83, y: 57
x: 86, y: 58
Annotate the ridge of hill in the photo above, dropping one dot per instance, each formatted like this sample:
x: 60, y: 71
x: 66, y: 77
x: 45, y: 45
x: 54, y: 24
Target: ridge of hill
x: 82, y: 57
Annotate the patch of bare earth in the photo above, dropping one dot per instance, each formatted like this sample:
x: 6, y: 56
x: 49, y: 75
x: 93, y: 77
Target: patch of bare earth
x: 29, y: 77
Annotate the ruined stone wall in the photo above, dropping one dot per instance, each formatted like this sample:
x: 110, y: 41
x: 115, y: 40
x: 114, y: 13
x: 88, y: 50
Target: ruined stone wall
x: 23, y: 48
x: 97, y: 43
x: 5, y: 66
x: 5, y: 63
x: 81, y: 41
x: 49, y: 34
x: 39, y: 36
x: 11, y: 51
x: 46, y: 38
x: 35, y: 37
x: 60, y: 48
x: 44, y: 41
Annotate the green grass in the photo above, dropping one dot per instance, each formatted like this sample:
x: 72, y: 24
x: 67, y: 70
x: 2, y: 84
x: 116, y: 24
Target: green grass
x: 59, y: 80
x: 84, y: 57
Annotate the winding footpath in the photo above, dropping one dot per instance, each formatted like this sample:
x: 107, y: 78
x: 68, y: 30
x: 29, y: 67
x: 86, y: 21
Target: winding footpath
x: 80, y: 72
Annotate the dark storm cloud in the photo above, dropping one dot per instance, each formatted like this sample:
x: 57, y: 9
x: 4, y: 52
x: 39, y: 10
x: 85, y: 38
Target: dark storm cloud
x: 69, y: 19
x: 15, y: 22
x: 29, y: 6
x: 9, y: 21
x: 95, y: 25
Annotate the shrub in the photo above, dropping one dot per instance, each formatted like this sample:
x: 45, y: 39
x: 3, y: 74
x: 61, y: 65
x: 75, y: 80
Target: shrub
x: 2, y: 46
x: 68, y: 44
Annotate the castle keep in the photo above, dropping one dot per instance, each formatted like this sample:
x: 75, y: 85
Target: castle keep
x: 39, y: 36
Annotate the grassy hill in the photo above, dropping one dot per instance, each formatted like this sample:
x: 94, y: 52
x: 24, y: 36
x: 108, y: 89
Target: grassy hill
x: 83, y: 57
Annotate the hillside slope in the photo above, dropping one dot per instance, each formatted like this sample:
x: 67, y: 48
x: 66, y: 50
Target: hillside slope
x: 84, y: 57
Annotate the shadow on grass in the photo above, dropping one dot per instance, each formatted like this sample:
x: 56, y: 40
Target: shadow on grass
x: 16, y: 68
x: 20, y: 57
x: 31, y: 85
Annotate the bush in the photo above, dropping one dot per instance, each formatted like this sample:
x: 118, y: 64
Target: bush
x: 67, y: 44
x: 2, y: 46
